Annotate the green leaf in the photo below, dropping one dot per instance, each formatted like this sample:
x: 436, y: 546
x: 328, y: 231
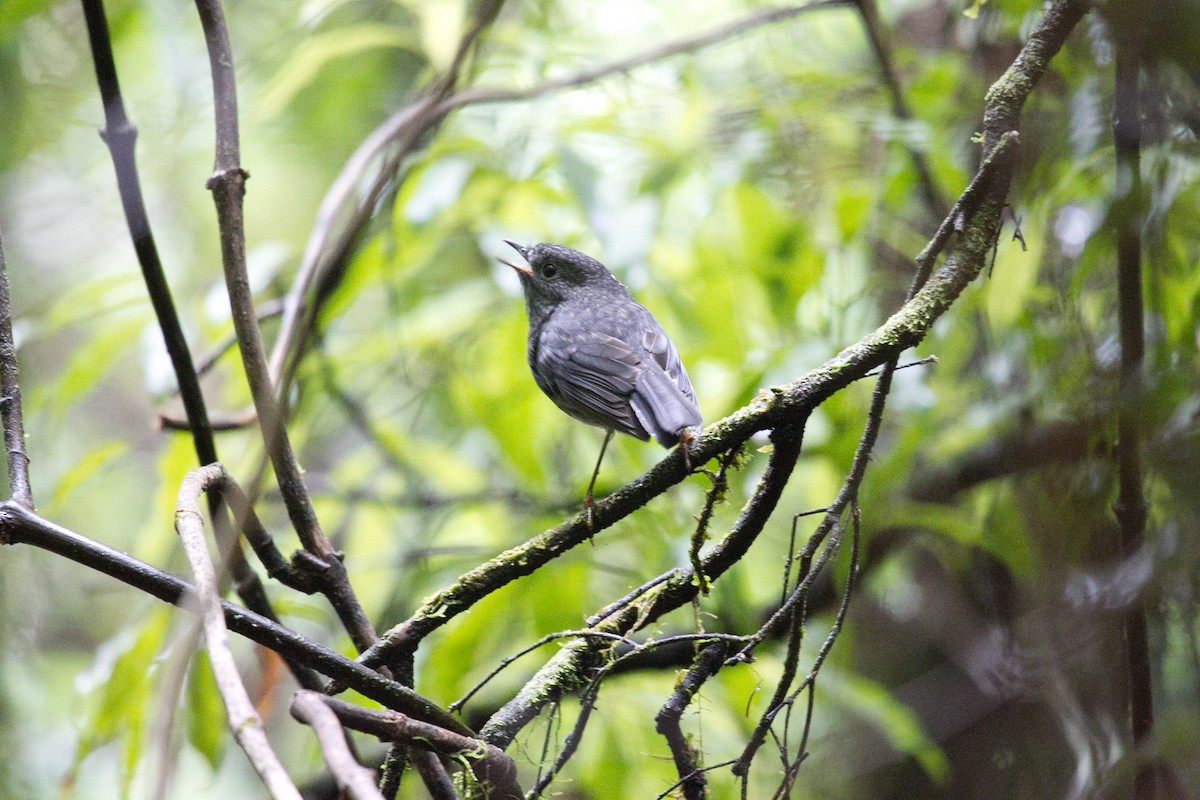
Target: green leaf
x: 207, y: 723
x: 973, y: 10
x: 82, y: 471
x: 93, y: 361
x: 123, y: 701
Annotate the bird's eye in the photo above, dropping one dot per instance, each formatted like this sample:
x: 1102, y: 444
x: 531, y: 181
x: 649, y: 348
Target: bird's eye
x: 549, y: 270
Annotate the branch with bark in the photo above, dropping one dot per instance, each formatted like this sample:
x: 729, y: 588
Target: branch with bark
x: 425, y: 734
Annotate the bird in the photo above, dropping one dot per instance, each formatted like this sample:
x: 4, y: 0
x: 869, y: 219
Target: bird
x: 599, y: 355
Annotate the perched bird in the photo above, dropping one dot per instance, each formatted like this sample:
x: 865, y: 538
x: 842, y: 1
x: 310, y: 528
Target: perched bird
x: 599, y: 354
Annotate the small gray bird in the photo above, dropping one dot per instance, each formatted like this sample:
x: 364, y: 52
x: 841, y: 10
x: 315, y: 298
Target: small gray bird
x: 599, y: 354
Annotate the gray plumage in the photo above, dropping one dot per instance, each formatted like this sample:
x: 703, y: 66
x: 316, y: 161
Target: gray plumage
x: 597, y: 352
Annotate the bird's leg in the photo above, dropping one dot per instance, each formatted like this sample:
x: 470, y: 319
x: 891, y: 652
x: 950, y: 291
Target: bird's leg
x: 587, y: 500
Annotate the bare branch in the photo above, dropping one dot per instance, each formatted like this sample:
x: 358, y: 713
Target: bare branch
x: 228, y: 187
x: 10, y: 399
x: 120, y: 136
x: 20, y: 525
x: 490, y: 766
x: 687, y: 44
x: 244, y: 721
x: 353, y: 779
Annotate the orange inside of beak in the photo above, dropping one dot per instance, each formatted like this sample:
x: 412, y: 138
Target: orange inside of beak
x: 517, y: 267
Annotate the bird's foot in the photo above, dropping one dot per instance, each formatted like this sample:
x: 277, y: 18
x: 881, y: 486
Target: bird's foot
x: 685, y: 442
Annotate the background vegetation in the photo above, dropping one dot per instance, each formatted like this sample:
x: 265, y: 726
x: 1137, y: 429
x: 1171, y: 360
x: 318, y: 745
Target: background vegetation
x: 764, y: 192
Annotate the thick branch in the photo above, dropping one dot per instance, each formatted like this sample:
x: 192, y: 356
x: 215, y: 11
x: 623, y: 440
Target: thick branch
x: 20, y: 525
x: 1007, y: 96
x: 667, y: 721
x: 491, y: 767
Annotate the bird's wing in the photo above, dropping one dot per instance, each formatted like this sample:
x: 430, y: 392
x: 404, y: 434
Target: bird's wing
x: 660, y: 347
x: 663, y: 399
x: 591, y: 376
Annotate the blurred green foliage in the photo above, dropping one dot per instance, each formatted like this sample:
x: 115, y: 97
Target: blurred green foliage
x: 759, y: 197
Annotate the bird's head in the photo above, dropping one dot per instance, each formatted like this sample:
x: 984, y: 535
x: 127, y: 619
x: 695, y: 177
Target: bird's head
x: 557, y: 273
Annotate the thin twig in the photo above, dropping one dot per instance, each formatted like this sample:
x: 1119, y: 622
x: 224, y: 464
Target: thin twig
x: 715, y: 35
x: 243, y: 720
x: 590, y: 694
x: 635, y: 647
x: 840, y: 617
x: 935, y: 201
x: 714, y: 497
x: 458, y: 704
x: 120, y: 136
x: 920, y: 362
x: 353, y: 779
x: 10, y: 399
x: 587, y: 704
x: 997, y: 158
x: 235, y: 420
x: 617, y: 605
x: 700, y: 771
x: 809, y: 683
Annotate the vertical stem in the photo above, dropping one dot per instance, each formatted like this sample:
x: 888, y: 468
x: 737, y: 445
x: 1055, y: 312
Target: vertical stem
x: 228, y: 186
x: 120, y: 136
x: 10, y: 399
x: 1130, y: 506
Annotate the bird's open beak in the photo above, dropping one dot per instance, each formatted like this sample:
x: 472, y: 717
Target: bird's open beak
x: 521, y: 268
